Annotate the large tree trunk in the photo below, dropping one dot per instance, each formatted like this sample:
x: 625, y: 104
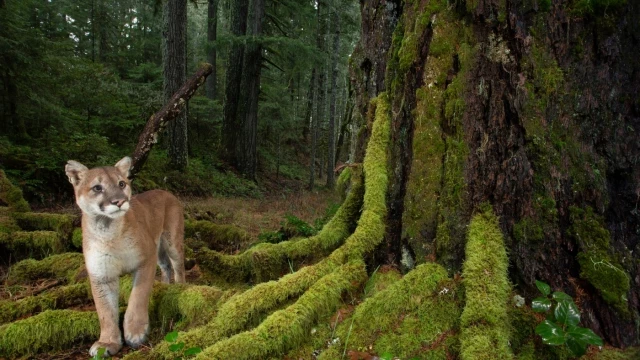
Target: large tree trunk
x: 331, y: 181
x: 174, y: 59
x: 212, y: 24
x: 525, y: 108
x: 246, y: 150
x: 232, y: 126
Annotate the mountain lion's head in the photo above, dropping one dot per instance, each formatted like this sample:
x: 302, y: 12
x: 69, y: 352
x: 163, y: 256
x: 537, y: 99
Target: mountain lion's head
x: 101, y: 191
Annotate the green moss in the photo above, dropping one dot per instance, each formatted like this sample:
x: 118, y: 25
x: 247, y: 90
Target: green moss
x: 597, y: 264
x: 615, y: 354
x: 408, y: 315
x: 596, y: 7
x: 528, y: 230
x: 484, y: 321
x: 50, y: 330
x: 344, y: 181
x: 36, y: 244
x: 76, y: 238
x: 286, y: 328
x: 57, y: 298
x: 65, y: 266
x: 380, y: 280
x: 12, y: 195
x: 191, y: 305
x: 217, y: 237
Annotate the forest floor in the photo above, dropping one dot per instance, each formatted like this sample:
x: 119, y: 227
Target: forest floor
x: 254, y: 215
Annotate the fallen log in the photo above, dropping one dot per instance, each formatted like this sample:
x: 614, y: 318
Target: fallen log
x: 169, y: 111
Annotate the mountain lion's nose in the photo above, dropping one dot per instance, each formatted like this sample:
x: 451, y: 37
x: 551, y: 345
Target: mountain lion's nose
x: 118, y: 203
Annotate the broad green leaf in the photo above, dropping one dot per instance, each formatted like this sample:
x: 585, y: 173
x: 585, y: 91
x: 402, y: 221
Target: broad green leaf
x: 541, y: 304
x: 172, y: 336
x: 176, y: 347
x: 584, y: 335
x: 192, y: 351
x: 550, y: 333
x: 567, y: 313
x: 544, y: 288
x: 100, y: 354
x: 386, y: 356
x: 577, y: 348
x: 559, y: 296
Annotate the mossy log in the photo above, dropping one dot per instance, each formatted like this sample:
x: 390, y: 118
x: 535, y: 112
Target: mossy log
x: 267, y: 261
x: 484, y: 321
x: 12, y: 195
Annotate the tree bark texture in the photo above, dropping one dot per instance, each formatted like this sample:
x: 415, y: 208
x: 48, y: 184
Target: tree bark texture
x: 308, y: 115
x: 175, y: 59
x: 331, y: 180
x: 246, y: 150
x: 212, y: 25
x: 232, y: 126
x: 169, y: 112
x: 320, y: 95
x: 525, y: 108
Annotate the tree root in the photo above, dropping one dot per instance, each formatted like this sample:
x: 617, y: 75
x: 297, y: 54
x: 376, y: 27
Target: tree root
x: 484, y: 321
x: 247, y: 308
x: 266, y: 261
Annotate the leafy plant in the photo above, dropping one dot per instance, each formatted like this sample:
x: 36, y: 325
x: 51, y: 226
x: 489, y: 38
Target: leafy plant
x: 100, y: 354
x: 177, y: 348
x: 561, y: 325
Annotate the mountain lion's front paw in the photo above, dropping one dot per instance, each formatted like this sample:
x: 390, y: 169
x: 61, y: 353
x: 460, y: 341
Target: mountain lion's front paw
x: 136, y: 335
x: 110, y: 348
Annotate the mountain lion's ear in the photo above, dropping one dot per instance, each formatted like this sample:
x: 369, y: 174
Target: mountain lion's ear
x: 124, y: 165
x: 74, y: 171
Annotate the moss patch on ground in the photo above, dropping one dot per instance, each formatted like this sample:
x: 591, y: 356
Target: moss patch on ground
x: 484, y: 321
x: 12, y: 195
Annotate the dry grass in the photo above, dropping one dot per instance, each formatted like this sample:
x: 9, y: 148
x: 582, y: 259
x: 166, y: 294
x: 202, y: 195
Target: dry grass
x: 257, y: 215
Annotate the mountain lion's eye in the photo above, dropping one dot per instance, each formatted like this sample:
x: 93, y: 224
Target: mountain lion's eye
x: 122, y: 184
x: 97, y: 188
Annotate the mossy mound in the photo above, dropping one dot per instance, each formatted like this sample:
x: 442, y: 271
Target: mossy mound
x: 12, y: 195
x: 484, y: 321
x: 50, y: 330
x: 65, y: 266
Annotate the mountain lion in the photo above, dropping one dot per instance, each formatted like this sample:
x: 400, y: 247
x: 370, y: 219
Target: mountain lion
x: 123, y: 234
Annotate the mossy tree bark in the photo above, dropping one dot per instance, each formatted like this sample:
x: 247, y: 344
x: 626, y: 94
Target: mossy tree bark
x: 527, y: 106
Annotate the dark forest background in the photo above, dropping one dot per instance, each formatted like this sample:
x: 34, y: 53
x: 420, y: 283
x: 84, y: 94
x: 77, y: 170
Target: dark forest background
x: 79, y: 79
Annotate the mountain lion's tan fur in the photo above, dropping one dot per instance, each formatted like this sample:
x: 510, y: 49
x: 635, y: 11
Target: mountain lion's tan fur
x: 123, y: 234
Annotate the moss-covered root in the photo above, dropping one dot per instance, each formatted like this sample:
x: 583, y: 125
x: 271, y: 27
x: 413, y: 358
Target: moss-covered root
x: 287, y: 328
x: 65, y: 266
x: 412, y: 297
x: 484, y: 321
x: 269, y: 261
x: 50, y: 330
x: 58, y: 298
x: 34, y: 244
x: 12, y: 195
x: 190, y: 304
x: 217, y: 237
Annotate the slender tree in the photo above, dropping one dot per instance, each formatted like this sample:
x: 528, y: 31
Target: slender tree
x: 332, y: 103
x: 174, y: 59
x: 212, y: 24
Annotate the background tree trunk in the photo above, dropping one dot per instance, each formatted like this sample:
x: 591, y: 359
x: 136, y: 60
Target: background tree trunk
x: 331, y: 181
x: 246, y: 150
x: 174, y: 59
x: 319, y: 101
x: 212, y: 24
x: 232, y: 125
